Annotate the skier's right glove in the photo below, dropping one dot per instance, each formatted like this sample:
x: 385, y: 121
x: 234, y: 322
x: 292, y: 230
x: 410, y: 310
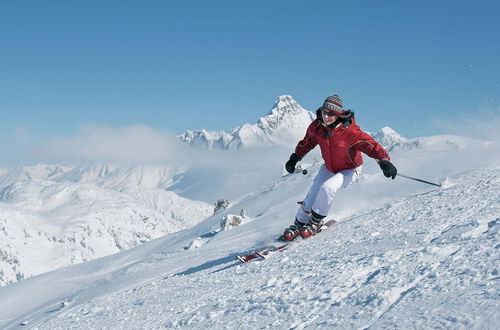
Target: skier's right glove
x: 389, y: 170
x: 290, y: 164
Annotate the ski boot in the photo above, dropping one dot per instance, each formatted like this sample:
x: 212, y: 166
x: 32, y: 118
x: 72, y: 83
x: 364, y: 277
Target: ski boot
x: 313, y: 227
x: 306, y: 230
x: 316, y: 221
x: 292, y: 231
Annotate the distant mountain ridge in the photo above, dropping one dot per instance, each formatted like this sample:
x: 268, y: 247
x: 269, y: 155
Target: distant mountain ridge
x: 285, y: 123
x: 388, y: 137
x: 101, y: 175
x: 71, y: 214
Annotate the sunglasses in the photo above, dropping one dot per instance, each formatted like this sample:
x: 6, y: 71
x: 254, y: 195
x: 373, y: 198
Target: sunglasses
x: 329, y: 113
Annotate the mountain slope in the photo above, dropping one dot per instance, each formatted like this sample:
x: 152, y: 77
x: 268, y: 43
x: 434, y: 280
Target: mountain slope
x: 47, y: 225
x: 36, y: 172
x: 425, y: 260
x: 383, y: 261
x: 71, y: 214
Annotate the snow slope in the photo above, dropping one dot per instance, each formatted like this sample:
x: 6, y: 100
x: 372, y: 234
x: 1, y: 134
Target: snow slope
x: 400, y: 248
x: 46, y: 225
x: 409, y: 256
x: 52, y: 216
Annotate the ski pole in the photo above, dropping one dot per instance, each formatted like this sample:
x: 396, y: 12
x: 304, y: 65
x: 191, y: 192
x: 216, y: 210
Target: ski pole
x: 419, y: 180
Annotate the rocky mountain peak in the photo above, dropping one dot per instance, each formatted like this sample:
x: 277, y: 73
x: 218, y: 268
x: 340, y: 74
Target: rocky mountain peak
x: 387, y: 137
x: 285, y: 117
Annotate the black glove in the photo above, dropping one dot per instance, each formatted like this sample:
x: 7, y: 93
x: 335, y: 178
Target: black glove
x: 290, y: 164
x: 389, y: 170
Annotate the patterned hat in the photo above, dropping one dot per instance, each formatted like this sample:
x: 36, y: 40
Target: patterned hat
x: 333, y: 103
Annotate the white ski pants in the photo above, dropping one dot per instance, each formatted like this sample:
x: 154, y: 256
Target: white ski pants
x: 325, y: 186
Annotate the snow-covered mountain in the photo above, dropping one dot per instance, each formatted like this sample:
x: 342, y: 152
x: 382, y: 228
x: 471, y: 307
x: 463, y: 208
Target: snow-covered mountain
x: 103, y: 175
x: 55, y: 216
x: 388, y: 137
x: 3, y: 171
x: 443, y: 143
x: 284, y: 125
x: 403, y: 255
x: 36, y: 172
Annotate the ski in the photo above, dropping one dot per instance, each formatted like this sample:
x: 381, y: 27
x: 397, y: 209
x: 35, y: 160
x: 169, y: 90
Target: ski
x: 264, y: 252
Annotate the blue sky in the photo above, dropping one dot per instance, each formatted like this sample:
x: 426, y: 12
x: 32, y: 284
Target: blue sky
x: 180, y: 65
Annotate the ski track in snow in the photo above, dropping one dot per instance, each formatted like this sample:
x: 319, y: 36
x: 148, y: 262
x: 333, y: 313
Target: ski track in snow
x: 430, y: 260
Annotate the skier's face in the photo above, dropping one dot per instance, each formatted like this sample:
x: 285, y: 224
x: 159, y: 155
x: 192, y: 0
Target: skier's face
x: 329, y: 117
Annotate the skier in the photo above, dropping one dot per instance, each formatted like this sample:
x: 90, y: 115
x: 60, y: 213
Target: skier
x: 341, y: 142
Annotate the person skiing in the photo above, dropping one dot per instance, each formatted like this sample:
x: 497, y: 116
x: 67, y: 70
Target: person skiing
x: 341, y: 142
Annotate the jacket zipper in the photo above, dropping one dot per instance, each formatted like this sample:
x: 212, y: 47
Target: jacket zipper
x: 329, y: 148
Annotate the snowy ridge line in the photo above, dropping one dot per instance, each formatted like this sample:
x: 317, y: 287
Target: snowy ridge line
x: 286, y: 121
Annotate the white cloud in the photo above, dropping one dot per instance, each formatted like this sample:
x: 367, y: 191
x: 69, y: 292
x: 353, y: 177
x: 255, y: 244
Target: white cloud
x: 134, y: 144
x: 129, y: 145
x: 482, y: 124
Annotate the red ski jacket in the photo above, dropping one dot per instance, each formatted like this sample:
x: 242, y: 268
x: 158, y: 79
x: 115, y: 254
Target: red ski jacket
x: 341, y: 146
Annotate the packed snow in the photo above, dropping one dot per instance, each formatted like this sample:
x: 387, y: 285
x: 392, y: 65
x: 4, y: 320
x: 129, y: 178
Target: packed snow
x: 402, y: 255
x: 426, y: 261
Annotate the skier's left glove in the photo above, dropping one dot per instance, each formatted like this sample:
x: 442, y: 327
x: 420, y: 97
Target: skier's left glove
x: 290, y: 164
x: 389, y: 170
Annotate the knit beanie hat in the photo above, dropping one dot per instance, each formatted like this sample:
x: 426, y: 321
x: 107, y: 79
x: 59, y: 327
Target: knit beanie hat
x: 333, y: 103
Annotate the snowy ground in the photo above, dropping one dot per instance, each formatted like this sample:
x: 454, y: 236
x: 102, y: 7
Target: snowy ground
x: 426, y: 260
x: 403, y: 255
x: 46, y: 225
